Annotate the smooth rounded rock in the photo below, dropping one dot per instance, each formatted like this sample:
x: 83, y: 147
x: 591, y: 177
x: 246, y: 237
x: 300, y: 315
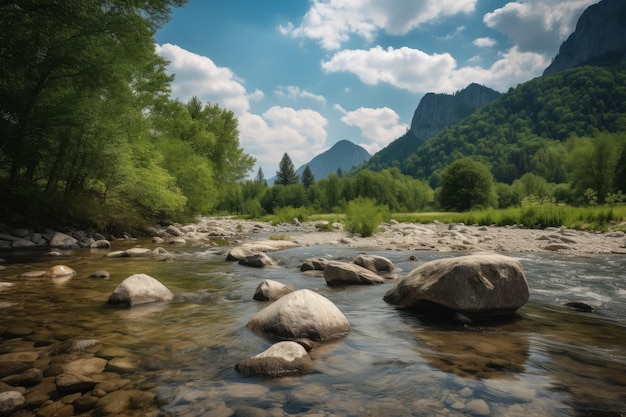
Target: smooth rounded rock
x: 139, y: 289
x: 343, y: 273
x: 283, y: 358
x: 270, y: 290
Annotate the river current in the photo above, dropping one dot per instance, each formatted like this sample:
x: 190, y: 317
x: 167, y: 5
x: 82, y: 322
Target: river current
x: 549, y: 360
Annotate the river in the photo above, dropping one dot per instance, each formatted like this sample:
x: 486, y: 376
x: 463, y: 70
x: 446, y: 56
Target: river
x: 550, y: 360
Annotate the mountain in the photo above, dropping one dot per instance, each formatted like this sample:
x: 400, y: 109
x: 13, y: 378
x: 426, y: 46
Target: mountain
x: 434, y: 112
x: 343, y: 154
x: 599, y: 38
x: 507, y: 133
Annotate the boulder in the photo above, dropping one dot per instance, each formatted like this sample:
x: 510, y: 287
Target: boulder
x: 480, y: 287
x: 283, y: 358
x: 100, y: 275
x: 139, y: 289
x: 258, y: 260
x: 343, y: 273
x: 270, y: 290
x: 101, y: 244
x: 301, y: 314
x: 10, y: 401
x: 59, y: 271
x: 314, y: 264
x: 252, y: 248
x: 374, y: 263
x: 63, y: 241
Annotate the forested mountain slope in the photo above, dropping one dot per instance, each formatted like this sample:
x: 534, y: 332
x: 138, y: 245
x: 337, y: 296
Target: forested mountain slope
x: 508, y: 132
x: 434, y: 112
x: 343, y: 155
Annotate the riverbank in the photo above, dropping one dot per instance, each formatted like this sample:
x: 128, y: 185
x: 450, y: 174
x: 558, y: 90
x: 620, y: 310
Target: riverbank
x: 434, y: 236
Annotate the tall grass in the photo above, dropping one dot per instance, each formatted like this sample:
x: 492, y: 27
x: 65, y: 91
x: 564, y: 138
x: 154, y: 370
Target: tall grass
x: 539, y: 215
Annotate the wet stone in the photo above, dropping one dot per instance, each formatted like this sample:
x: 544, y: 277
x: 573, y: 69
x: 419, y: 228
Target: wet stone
x: 27, y: 378
x: 88, y: 366
x: 10, y: 401
x: 57, y: 409
x: 122, y: 365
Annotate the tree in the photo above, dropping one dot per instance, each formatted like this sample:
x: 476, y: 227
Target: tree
x: 260, y: 177
x: 286, y: 174
x: 308, y: 178
x: 466, y: 184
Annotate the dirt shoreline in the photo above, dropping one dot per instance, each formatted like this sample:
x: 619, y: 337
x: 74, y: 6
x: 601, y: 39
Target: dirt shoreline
x: 434, y: 236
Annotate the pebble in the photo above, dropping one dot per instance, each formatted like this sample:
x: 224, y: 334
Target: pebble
x: 478, y: 407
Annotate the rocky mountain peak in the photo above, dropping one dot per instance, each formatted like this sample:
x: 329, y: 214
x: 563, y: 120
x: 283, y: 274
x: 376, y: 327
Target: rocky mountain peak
x: 599, y: 38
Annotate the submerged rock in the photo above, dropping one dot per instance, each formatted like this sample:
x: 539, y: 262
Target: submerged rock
x: 270, y: 290
x: 301, y: 314
x: 139, y: 289
x: 10, y: 401
x: 343, y: 273
x: 283, y: 358
x: 374, y: 263
x: 59, y: 271
x: 483, y: 286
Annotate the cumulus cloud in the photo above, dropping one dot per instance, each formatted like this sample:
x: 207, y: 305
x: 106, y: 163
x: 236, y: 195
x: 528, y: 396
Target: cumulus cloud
x: 484, y: 42
x: 293, y: 92
x: 537, y: 25
x: 332, y: 22
x: 301, y: 133
x: 198, y: 75
x: 380, y: 125
x: 418, y: 72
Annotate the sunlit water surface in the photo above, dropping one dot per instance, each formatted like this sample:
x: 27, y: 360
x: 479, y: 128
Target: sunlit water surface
x: 550, y: 360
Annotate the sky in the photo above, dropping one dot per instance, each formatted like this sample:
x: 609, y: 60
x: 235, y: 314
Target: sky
x: 301, y: 75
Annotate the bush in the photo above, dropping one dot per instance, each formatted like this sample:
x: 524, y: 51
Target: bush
x: 287, y: 214
x: 364, y: 216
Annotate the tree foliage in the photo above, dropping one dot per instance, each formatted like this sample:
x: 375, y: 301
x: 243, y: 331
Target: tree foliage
x: 86, y: 116
x: 466, y: 184
x: 308, y: 178
x: 286, y: 174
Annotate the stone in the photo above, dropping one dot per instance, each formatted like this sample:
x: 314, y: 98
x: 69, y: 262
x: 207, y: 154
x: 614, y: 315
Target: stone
x: 22, y: 243
x: 122, y: 365
x: 88, y: 366
x: 59, y: 271
x: 101, y: 244
x: 281, y: 359
x: 301, y: 314
x: 270, y: 290
x: 56, y: 409
x: 29, y: 377
x: 374, y: 263
x: 100, y: 275
x: 252, y: 248
x: 157, y: 240
x: 68, y: 382
x: 258, y: 260
x: 10, y: 401
x: 481, y: 287
x: 478, y: 407
x: 556, y: 246
x: 63, y: 241
x: 343, y: 273
x: 139, y: 289
x: 314, y: 264
x: 117, y: 402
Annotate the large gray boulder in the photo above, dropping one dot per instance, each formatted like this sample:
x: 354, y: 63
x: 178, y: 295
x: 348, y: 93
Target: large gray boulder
x: 343, y: 273
x: 374, y: 263
x: 478, y: 287
x: 63, y: 241
x: 139, y: 289
x: 270, y: 290
x: 301, y: 314
x: 283, y: 358
x: 258, y: 260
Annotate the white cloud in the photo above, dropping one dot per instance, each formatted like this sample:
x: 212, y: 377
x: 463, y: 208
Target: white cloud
x: 380, y: 125
x: 293, y: 92
x: 333, y: 22
x: 484, y: 42
x: 452, y: 35
x: 405, y: 68
x: 198, y: 75
x: 300, y: 133
x: 418, y: 72
x: 537, y: 25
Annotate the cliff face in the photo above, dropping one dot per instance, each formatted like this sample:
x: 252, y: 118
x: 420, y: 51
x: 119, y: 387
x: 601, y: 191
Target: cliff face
x: 436, y: 111
x: 599, y: 38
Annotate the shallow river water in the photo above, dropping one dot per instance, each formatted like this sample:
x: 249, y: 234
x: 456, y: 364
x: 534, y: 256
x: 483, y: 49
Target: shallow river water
x: 548, y: 361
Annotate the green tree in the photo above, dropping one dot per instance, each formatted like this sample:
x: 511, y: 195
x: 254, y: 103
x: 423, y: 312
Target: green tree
x: 466, y: 184
x: 592, y: 163
x: 286, y: 174
x: 308, y: 178
x: 260, y: 177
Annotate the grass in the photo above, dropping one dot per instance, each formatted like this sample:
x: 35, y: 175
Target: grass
x: 600, y: 218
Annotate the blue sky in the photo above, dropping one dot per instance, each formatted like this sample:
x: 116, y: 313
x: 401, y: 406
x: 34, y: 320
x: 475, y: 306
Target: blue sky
x: 301, y: 75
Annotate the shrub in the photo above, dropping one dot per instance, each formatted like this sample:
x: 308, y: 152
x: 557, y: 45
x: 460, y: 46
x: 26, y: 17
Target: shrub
x: 287, y: 214
x: 364, y: 216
